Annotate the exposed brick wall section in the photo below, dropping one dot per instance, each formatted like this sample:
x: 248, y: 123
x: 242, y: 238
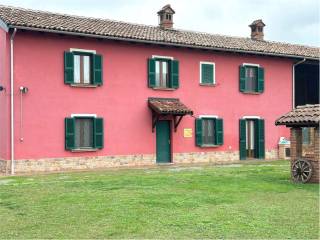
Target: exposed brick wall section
x: 316, y: 159
x: 296, y: 151
x: 296, y: 143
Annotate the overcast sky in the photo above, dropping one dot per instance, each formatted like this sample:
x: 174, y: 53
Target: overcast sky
x: 293, y: 21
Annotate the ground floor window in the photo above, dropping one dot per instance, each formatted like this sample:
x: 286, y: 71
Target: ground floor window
x: 83, y: 133
x: 209, y: 131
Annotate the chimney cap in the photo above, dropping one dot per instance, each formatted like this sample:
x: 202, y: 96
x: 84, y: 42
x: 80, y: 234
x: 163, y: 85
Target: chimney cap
x: 258, y: 22
x: 166, y: 9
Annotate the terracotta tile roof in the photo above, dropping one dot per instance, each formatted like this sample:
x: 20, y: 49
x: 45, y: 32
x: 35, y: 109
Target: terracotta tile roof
x: 168, y: 106
x: 306, y: 115
x: 47, y: 21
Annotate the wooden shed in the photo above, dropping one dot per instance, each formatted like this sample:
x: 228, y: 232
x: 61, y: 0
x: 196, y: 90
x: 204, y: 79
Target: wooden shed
x: 304, y: 123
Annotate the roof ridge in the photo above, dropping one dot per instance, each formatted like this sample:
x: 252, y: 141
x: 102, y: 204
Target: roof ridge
x: 70, y: 23
x: 152, y: 26
x: 74, y: 15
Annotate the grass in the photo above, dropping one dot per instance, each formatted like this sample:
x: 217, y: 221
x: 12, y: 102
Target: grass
x: 252, y: 200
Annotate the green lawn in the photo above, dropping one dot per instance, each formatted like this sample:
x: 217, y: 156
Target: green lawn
x: 253, y: 200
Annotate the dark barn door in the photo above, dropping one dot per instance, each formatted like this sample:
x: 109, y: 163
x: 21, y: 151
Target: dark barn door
x: 163, y: 142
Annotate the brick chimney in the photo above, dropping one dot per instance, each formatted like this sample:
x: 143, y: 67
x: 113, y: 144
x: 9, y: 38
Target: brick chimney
x: 257, y: 30
x: 166, y: 17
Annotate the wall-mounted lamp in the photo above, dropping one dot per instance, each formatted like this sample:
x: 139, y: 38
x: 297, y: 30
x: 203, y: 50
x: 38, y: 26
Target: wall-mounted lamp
x: 1, y: 88
x: 24, y: 89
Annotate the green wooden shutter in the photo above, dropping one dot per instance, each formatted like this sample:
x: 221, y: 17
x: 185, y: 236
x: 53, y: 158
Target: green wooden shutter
x: 68, y: 68
x: 242, y: 139
x: 97, y: 69
x: 260, y: 85
x: 199, y: 132
x: 98, y: 133
x: 174, y: 74
x: 219, y: 131
x: 69, y: 133
x: 151, y: 73
x: 207, y: 72
x: 242, y: 79
x: 260, y: 145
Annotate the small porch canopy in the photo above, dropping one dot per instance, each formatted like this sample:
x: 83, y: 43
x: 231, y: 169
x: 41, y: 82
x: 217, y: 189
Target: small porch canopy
x: 302, y: 116
x: 164, y: 107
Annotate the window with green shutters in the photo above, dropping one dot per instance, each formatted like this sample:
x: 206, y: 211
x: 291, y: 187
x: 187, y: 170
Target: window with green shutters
x: 251, y: 79
x: 163, y: 73
x: 258, y: 135
x: 83, y: 68
x: 83, y: 133
x: 207, y: 73
x: 209, y: 132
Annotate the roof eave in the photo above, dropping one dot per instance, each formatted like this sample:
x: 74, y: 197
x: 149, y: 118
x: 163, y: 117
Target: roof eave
x: 4, y: 26
x: 161, y: 43
x: 298, y: 124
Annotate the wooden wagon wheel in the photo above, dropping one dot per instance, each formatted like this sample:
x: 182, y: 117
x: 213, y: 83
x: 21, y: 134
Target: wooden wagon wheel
x: 301, y: 171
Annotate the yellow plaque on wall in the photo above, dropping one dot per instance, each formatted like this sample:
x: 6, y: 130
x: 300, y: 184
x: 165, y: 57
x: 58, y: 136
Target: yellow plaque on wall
x: 187, y: 132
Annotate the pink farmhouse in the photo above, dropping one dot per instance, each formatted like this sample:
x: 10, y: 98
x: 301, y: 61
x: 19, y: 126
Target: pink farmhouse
x: 83, y: 93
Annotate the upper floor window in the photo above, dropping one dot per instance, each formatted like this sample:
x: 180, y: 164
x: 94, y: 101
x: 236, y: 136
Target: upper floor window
x: 251, y: 74
x: 251, y: 78
x: 209, y: 131
x: 82, y: 68
x: 207, y: 73
x: 163, y: 73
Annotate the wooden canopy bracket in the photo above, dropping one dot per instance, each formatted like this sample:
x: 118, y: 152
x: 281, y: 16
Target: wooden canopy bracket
x: 176, y: 121
x: 155, y: 118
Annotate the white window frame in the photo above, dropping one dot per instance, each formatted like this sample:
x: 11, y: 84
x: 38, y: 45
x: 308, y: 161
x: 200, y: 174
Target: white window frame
x: 208, y: 116
x: 83, y: 50
x: 164, y: 57
x: 251, y: 117
x: 88, y: 115
x: 214, y: 72
x: 251, y: 64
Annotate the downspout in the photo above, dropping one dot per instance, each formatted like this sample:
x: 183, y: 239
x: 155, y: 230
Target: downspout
x: 293, y: 80
x: 12, y: 99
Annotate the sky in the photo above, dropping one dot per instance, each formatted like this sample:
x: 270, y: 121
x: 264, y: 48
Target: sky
x: 292, y: 21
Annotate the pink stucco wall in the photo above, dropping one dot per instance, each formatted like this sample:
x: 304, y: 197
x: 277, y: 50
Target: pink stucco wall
x: 4, y: 96
x: 122, y: 100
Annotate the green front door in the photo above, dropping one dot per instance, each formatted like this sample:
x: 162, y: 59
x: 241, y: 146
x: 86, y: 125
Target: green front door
x: 163, y: 142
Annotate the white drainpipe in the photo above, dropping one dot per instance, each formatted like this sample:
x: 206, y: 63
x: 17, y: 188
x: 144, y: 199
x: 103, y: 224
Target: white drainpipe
x: 11, y: 102
x: 293, y: 78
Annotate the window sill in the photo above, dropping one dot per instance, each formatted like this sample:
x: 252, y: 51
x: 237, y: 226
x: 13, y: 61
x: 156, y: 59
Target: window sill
x: 253, y: 93
x: 84, y: 85
x: 84, y: 150
x: 208, y: 84
x: 164, y: 89
x: 209, y: 145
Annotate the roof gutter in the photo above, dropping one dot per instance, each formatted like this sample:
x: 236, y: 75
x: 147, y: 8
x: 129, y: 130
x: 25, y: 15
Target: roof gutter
x: 156, y: 42
x: 12, y: 100
x: 293, y: 80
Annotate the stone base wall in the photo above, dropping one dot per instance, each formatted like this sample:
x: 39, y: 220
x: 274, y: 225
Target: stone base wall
x: 3, y: 166
x: 87, y: 163
x: 272, y: 154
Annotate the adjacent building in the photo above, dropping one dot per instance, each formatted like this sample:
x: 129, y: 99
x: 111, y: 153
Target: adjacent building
x: 82, y: 93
